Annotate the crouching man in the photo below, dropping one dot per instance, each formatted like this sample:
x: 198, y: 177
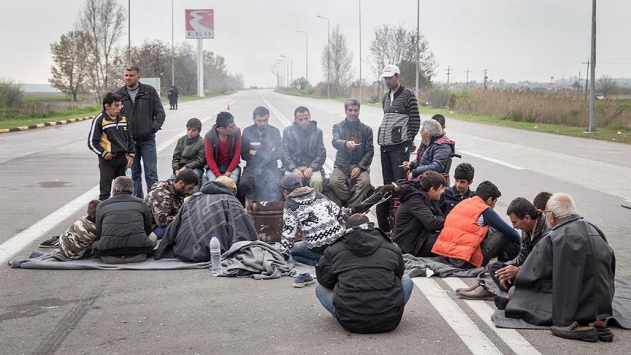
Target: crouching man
x: 361, y: 281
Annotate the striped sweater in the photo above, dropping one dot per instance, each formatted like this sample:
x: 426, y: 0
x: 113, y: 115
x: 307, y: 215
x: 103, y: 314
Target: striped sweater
x: 401, y: 120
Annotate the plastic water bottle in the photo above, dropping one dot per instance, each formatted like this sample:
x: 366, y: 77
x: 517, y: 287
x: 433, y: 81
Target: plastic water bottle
x: 128, y: 172
x: 215, y: 255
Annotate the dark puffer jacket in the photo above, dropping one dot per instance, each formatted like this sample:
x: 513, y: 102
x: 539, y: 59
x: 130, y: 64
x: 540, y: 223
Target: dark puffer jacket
x: 123, y: 223
x: 145, y: 115
x: 364, y: 269
x: 303, y: 147
x: 435, y: 156
x: 418, y: 222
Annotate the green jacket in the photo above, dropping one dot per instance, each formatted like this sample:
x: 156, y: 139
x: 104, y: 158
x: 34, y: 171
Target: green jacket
x: 189, y: 153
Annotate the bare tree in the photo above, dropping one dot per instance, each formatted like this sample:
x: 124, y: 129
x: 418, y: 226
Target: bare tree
x: 69, y: 72
x: 397, y: 45
x: 607, y: 86
x: 154, y: 60
x: 103, y: 21
x: 341, y: 59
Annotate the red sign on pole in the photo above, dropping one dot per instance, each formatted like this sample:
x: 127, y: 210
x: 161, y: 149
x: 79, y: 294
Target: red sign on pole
x: 200, y: 23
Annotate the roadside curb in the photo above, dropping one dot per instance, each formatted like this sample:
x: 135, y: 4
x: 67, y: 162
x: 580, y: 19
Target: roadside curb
x: 45, y: 124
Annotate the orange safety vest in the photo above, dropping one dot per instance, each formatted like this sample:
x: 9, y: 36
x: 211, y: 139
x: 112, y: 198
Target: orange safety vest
x: 461, y: 236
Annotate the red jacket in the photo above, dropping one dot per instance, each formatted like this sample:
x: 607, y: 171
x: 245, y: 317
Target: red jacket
x: 211, y: 145
x: 461, y: 236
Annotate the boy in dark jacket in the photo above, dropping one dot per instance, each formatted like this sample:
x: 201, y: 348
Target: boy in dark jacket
x: 189, y: 151
x: 419, y: 217
x: 361, y: 281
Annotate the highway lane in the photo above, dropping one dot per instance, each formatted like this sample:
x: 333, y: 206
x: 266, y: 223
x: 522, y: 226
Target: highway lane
x: 105, y: 312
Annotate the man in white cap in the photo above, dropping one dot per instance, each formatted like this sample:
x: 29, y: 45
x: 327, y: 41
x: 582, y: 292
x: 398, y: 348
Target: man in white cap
x: 400, y: 124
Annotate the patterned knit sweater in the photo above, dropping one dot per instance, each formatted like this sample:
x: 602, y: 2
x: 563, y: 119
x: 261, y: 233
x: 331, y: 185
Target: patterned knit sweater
x: 316, y: 217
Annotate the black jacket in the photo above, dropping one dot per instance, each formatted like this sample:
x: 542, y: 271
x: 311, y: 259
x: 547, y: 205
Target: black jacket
x: 123, y: 223
x: 418, y: 221
x: 263, y: 144
x: 451, y: 198
x: 110, y: 135
x: 303, y: 147
x: 365, y: 151
x: 146, y: 115
x: 364, y: 269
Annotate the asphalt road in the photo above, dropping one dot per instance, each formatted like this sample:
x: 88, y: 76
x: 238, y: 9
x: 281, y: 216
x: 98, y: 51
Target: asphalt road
x: 48, y: 175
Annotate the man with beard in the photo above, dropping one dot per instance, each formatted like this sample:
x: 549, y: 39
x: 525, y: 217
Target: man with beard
x: 261, y: 148
x: 166, y: 198
x: 303, y: 149
x: 143, y: 109
x: 400, y: 124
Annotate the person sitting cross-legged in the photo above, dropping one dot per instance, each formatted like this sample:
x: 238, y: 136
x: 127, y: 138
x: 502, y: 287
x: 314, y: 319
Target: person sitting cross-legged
x: 452, y: 195
x: 361, y: 280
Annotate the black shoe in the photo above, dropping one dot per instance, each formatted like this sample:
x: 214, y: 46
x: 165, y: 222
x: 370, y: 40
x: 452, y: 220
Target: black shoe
x: 51, y: 243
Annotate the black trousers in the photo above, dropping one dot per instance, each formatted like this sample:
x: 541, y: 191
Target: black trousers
x: 110, y: 170
x: 391, y: 161
x: 383, y: 209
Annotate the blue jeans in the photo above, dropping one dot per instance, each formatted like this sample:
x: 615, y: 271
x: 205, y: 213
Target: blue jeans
x: 159, y: 231
x: 147, y: 152
x: 234, y: 175
x: 325, y: 295
x: 301, y: 253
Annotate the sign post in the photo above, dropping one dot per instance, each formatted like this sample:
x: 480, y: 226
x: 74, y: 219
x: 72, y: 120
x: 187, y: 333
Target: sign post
x: 200, y: 24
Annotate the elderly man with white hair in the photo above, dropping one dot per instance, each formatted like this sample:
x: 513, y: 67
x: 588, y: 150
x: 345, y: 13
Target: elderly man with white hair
x: 567, y: 281
x: 437, y: 149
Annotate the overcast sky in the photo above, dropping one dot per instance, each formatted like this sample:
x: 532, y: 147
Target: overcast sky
x: 513, y: 39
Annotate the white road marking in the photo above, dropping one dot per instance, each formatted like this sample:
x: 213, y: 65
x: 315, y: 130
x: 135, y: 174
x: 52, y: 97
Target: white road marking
x: 473, y: 338
x: 511, y: 337
x: 492, y: 160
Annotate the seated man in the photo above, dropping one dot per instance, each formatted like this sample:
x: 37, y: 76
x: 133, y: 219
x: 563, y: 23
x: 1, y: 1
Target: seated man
x: 223, y: 147
x: 315, y: 216
x: 214, y: 210
x: 350, y: 179
x: 419, y: 217
x: 189, y: 151
x: 76, y: 241
x: 500, y: 275
x: 569, y: 275
x: 361, y: 280
x: 303, y: 149
x: 166, y: 197
x: 436, y: 156
x: 474, y: 234
x: 123, y: 224
x: 261, y: 149
x: 463, y: 176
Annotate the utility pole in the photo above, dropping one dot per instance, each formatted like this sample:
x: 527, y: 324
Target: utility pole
x: 448, y: 74
x: 586, y: 77
x: 468, y: 77
x: 418, y: 51
x: 592, y: 73
x: 360, y: 51
x: 485, y: 78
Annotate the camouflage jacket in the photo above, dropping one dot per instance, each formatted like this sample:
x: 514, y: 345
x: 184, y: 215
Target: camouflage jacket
x: 163, y: 203
x: 76, y: 242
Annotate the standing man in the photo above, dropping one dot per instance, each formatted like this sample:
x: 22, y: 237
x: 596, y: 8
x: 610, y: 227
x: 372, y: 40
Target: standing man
x: 303, y: 149
x: 143, y: 109
x: 261, y: 148
x: 401, y: 123
x: 353, y: 140
x: 111, y: 139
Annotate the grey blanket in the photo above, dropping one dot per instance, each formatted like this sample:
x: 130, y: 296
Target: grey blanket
x: 57, y: 261
x: 621, y: 311
x: 255, y: 259
x: 420, y: 266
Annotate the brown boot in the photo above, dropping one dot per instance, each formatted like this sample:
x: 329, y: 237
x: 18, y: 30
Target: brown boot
x: 479, y: 293
x: 470, y: 288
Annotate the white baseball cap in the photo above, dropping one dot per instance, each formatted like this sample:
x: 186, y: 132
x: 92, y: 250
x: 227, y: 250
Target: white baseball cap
x: 389, y: 70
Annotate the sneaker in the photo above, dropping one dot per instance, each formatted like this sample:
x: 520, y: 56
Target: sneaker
x: 303, y: 280
x: 346, y: 213
x: 52, y: 242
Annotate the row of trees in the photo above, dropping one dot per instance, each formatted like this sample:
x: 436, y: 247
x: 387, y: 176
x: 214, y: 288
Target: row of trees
x: 391, y: 45
x: 87, y: 60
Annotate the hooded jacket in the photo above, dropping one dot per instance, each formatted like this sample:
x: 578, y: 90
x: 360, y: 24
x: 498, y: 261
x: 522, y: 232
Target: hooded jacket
x: 418, y: 221
x: 145, y: 115
x: 213, y: 210
x: 568, y: 276
x: 364, y: 269
x: 435, y: 156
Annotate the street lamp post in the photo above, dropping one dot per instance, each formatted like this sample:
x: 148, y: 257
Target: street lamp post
x: 328, y: 56
x: 172, y: 50
x: 291, y: 68
x: 128, y: 32
x: 418, y: 40
x: 306, y: 57
x: 360, y: 51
